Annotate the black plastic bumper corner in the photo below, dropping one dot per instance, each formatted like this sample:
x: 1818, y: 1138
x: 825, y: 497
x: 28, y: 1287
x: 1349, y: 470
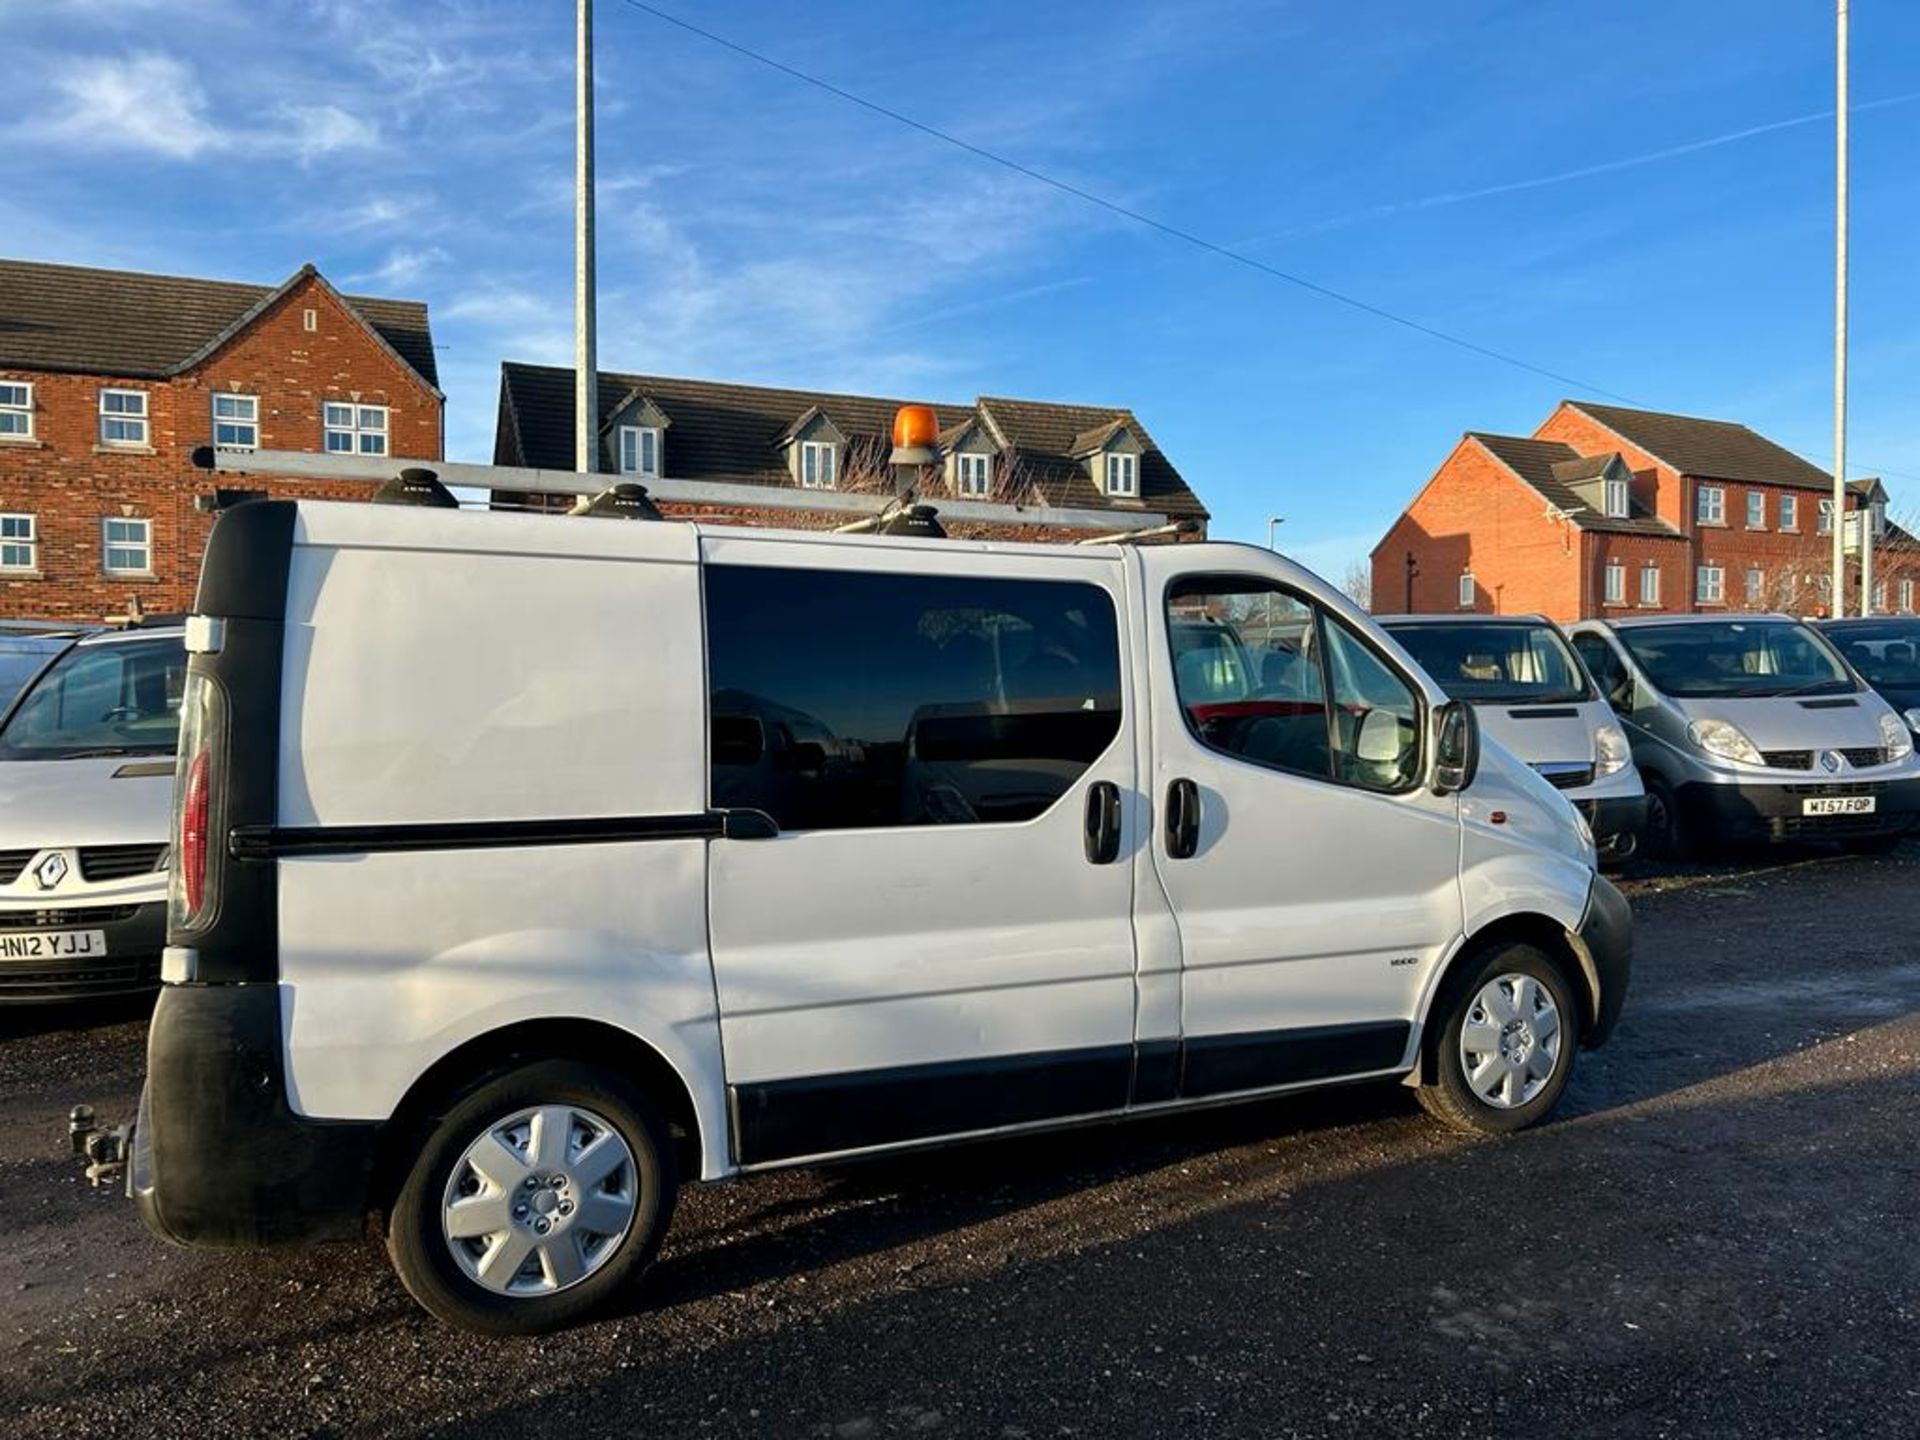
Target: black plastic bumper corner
x: 1618, y: 824
x: 1607, y: 934
x: 219, y: 1157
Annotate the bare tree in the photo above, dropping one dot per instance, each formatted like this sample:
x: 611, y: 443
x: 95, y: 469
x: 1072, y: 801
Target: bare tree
x: 1358, y: 583
x: 866, y: 467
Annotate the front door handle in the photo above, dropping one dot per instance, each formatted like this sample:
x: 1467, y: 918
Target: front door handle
x: 1103, y: 823
x: 1183, y: 820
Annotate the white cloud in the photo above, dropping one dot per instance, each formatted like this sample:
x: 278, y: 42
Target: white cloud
x: 403, y: 265
x: 310, y: 131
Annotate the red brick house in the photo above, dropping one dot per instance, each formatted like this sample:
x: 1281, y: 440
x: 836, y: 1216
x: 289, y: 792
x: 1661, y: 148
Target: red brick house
x: 108, y: 382
x: 1605, y: 510
x: 689, y: 439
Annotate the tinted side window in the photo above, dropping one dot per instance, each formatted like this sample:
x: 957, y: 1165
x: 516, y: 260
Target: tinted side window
x: 1603, y: 665
x: 851, y: 699
x: 1376, y: 716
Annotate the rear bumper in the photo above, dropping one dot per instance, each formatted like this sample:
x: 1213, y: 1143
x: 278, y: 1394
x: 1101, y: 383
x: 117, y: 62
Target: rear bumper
x: 135, y: 934
x: 1606, y: 933
x: 1775, y: 812
x: 219, y: 1157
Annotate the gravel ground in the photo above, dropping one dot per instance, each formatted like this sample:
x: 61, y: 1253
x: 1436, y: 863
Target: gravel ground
x: 1716, y: 1237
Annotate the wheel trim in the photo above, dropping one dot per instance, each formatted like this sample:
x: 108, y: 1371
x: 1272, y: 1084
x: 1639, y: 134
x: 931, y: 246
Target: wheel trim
x: 540, y: 1200
x: 1510, y: 1041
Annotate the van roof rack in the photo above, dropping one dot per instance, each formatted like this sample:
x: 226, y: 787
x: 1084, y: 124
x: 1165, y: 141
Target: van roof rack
x: 1169, y: 531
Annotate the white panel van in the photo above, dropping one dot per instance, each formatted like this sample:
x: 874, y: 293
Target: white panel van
x: 528, y: 865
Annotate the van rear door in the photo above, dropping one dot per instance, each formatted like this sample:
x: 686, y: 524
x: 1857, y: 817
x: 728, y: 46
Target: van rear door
x: 938, y: 939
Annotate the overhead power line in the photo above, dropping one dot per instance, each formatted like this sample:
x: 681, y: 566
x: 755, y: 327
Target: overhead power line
x: 1187, y: 237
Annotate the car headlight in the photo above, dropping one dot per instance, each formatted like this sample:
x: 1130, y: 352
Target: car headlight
x: 1896, y: 741
x: 1611, y: 752
x: 1724, y: 739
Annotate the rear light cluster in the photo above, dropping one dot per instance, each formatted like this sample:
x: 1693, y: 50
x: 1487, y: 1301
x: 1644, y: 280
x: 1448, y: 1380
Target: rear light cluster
x: 195, y: 870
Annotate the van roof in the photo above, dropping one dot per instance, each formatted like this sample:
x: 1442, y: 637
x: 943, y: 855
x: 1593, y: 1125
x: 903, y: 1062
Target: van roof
x: 1736, y: 617
x: 1468, y: 618
x: 134, y: 632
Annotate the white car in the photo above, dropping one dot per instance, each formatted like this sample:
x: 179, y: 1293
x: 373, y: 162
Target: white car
x: 726, y: 850
x: 86, y: 780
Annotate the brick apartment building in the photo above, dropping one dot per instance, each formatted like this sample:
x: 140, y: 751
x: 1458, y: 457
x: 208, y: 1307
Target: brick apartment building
x: 678, y: 436
x: 108, y: 382
x: 1608, y: 511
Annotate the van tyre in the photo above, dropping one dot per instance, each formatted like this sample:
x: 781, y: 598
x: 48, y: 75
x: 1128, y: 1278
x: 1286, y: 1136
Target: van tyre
x: 1503, y: 1043
x: 540, y: 1197
x: 1666, y: 838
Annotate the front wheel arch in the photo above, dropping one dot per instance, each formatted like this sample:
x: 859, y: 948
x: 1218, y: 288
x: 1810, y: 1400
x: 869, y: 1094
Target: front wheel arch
x: 1540, y: 931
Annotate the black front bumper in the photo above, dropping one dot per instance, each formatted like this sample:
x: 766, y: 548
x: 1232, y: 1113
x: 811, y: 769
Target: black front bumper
x: 1769, y: 812
x: 134, y: 934
x: 1618, y: 824
x: 1606, y: 932
x: 219, y: 1157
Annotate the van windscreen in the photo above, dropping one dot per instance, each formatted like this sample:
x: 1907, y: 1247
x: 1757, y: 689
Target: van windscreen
x: 1508, y: 662
x: 1737, y: 659
x: 120, y: 698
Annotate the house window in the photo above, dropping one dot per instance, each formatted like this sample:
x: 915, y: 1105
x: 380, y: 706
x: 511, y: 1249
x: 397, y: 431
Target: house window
x: 1123, y: 475
x: 817, y: 465
x: 236, y: 421
x: 1756, y: 510
x: 1756, y: 584
x: 128, y: 546
x: 1710, y: 505
x: 1617, y: 499
x: 123, y: 417
x: 16, y: 410
x: 640, y: 451
x: 1469, y: 591
x: 1789, y: 512
x: 1906, y: 597
x: 1710, y: 585
x: 972, y: 474
x: 19, y: 543
x: 354, y: 429
x: 1880, y: 596
x: 1616, y: 583
x: 1826, y: 517
x: 1650, y: 585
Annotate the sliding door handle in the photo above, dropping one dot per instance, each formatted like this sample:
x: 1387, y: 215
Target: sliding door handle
x: 1103, y: 823
x: 1183, y: 820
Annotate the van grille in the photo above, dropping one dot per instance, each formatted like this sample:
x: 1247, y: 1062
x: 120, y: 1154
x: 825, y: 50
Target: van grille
x: 1788, y: 759
x: 71, y: 918
x: 1865, y: 755
x: 117, y: 862
x: 106, y: 977
x: 1566, y: 777
x: 12, y: 862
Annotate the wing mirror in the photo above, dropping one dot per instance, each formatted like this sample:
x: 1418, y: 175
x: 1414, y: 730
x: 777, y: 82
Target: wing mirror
x: 1456, y: 751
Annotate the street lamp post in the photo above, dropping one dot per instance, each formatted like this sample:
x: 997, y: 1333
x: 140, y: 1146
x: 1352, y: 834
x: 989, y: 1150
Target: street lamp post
x: 1839, y: 606
x: 1274, y: 522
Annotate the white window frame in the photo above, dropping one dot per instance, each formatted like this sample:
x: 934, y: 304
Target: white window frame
x: 250, y: 424
x: 1123, y: 475
x: 1790, y: 513
x: 1616, y: 582
x: 973, y: 474
x: 1619, y: 501
x: 1756, y: 584
x: 631, y: 453
x: 1756, y: 501
x: 142, y: 547
x: 1824, y: 525
x: 1649, y: 572
x: 1710, y: 585
x: 819, y: 465
x: 19, y: 531
x: 357, y: 429
x: 1710, y: 505
x: 122, y: 416
x: 1469, y: 590
x: 1880, y: 596
x: 20, y: 410
x: 1906, y: 597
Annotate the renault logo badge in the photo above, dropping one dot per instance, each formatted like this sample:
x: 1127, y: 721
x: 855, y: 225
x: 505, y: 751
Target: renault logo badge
x: 51, y: 871
x: 1830, y: 761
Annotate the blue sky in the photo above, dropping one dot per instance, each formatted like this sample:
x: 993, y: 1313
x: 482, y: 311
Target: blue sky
x: 1635, y: 195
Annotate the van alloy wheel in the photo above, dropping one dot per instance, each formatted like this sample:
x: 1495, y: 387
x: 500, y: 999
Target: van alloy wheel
x: 539, y: 1200
x: 1510, y: 1043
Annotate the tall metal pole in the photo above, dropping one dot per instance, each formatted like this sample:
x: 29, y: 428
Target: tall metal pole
x: 586, y: 373
x: 1840, y: 323
x: 1273, y: 522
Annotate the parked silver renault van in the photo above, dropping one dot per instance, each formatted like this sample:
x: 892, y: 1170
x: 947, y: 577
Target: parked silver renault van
x: 1534, y: 696
x: 731, y: 850
x: 1752, y: 727
x: 86, y: 779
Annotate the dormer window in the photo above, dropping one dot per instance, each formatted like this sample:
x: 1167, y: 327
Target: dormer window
x: 1616, y: 498
x: 818, y: 467
x: 639, y: 451
x: 971, y: 475
x: 1123, y: 476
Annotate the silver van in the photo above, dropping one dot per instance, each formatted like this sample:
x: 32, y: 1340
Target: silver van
x: 1534, y: 697
x: 1752, y: 727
